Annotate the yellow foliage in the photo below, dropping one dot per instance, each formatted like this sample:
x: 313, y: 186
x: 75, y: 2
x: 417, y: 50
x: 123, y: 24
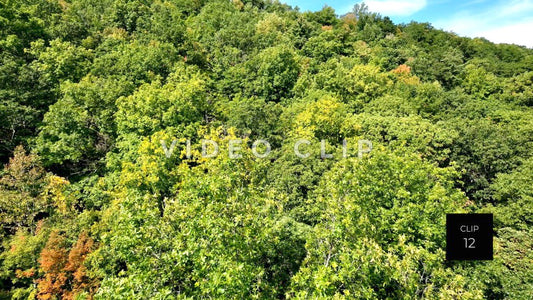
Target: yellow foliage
x: 326, y: 114
x: 238, y: 4
x: 270, y: 23
x: 54, y: 192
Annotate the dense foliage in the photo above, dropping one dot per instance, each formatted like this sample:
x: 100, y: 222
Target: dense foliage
x: 91, y: 207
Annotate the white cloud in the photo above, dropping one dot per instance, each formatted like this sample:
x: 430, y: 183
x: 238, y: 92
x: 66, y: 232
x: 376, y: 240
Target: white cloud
x: 518, y: 33
x: 396, y: 8
x: 512, y: 8
x: 503, y: 22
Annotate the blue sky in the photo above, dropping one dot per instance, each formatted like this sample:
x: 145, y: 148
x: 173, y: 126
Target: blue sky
x: 500, y: 21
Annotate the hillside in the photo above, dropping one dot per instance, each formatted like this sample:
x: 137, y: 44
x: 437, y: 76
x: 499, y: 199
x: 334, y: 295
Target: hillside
x: 105, y: 193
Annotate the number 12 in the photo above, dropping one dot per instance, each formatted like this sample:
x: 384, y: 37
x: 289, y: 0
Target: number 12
x: 469, y: 243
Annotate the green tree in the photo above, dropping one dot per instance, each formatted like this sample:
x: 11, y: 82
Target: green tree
x: 381, y: 232
x: 21, y: 185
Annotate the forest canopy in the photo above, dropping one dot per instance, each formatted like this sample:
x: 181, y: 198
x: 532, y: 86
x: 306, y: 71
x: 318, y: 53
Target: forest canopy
x: 92, y: 207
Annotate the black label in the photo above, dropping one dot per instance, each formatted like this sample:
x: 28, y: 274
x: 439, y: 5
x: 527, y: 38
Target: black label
x: 469, y: 237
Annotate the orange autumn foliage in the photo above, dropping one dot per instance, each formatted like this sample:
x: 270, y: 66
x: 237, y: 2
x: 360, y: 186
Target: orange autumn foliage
x: 76, y: 258
x: 402, y: 69
x: 25, y: 274
x: 52, y: 261
x: 403, y: 72
x: 65, y: 274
